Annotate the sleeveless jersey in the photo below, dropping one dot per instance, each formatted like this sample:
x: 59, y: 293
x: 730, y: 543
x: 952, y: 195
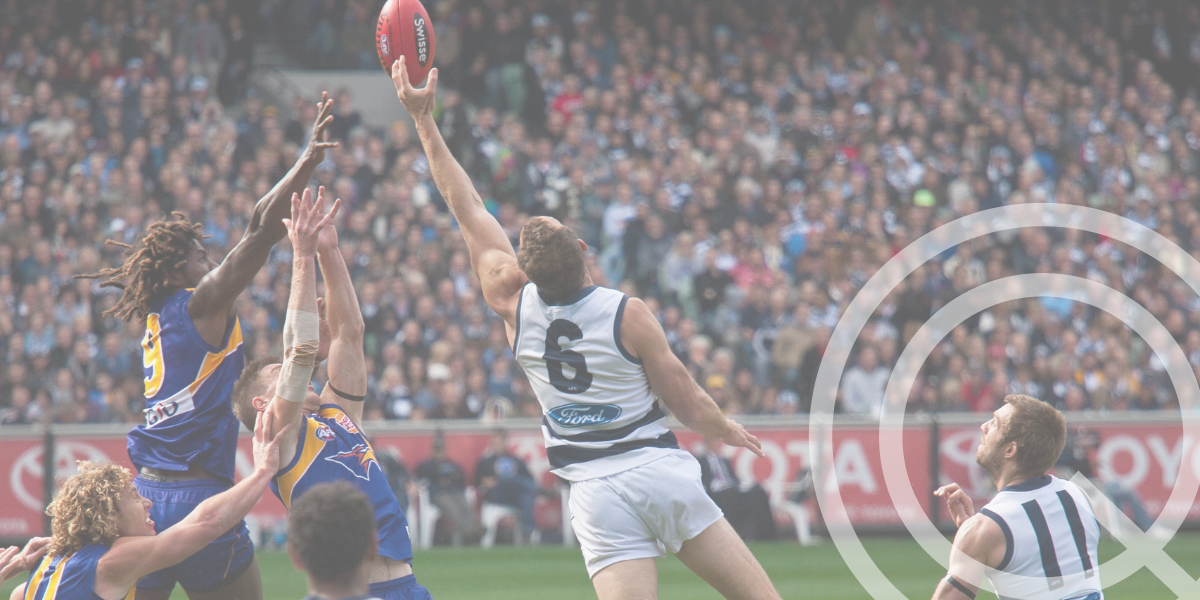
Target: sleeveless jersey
x: 70, y: 577
x: 1051, y: 538
x: 333, y: 448
x: 189, y: 421
x: 599, y: 415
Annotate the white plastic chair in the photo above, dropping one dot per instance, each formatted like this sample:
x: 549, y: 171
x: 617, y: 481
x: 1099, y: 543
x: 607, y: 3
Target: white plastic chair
x: 490, y: 516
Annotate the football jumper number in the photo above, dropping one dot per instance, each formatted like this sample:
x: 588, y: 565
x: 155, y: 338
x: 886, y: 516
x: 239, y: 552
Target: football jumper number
x: 555, y: 357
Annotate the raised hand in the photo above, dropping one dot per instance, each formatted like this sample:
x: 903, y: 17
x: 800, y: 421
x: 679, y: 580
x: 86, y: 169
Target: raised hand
x: 418, y: 102
x: 266, y: 447
x: 957, y: 502
x: 14, y: 560
x: 318, y: 140
x: 307, y: 220
x: 738, y: 436
x: 325, y: 334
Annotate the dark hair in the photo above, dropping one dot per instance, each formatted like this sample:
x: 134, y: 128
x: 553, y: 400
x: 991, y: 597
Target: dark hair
x: 249, y: 385
x: 551, y: 257
x: 331, y: 529
x: 163, y: 249
x: 1039, y: 430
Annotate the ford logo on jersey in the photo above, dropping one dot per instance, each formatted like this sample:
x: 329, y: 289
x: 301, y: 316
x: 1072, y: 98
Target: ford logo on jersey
x: 583, y: 415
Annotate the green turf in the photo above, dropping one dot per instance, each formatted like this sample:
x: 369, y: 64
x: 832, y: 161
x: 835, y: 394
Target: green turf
x: 814, y: 573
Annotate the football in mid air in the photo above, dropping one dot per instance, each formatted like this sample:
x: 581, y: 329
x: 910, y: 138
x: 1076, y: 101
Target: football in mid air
x: 404, y: 29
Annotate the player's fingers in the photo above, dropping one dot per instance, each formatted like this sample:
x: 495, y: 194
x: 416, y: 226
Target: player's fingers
x: 319, y: 206
x: 287, y: 223
x: 431, y: 83
x: 325, y: 122
x: 404, y: 76
x: 326, y: 145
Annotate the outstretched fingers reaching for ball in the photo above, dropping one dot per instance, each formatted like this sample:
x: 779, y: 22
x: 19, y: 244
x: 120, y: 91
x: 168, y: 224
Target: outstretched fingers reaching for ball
x: 417, y: 101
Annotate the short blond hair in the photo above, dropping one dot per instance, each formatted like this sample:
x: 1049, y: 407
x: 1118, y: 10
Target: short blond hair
x: 85, y: 511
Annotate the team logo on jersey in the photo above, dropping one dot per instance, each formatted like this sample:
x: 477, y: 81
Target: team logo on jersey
x: 583, y: 415
x: 357, y: 460
x: 324, y: 433
x: 346, y: 423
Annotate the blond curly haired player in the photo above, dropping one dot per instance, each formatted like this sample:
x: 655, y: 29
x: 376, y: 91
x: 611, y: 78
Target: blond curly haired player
x: 103, y: 538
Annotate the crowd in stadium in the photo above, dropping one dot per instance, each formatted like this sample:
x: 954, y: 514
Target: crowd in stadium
x: 743, y: 167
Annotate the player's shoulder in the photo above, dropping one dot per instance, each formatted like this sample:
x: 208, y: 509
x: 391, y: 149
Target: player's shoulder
x: 983, y: 538
x: 174, y: 306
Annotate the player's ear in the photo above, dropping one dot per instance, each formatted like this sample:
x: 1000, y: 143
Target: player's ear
x: 583, y: 246
x: 1011, y: 451
x: 260, y: 403
x: 295, y: 559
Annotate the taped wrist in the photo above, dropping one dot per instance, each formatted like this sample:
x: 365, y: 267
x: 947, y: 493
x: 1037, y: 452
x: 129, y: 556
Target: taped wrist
x: 297, y: 371
x: 301, y: 340
x: 300, y: 326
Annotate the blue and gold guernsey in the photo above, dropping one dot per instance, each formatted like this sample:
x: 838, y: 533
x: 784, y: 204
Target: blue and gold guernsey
x: 71, y: 577
x: 189, y: 421
x: 333, y: 448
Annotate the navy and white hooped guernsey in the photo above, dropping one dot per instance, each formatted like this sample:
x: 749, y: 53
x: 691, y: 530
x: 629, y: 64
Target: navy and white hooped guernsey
x: 599, y: 415
x: 1051, y: 541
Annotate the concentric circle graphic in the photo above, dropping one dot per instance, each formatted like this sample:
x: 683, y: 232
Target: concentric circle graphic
x: 1141, y: 550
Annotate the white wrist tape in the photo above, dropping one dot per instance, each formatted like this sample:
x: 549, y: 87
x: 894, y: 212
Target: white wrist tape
x: 300, y: 326
x: 301, y: 339
x: 297, y: 371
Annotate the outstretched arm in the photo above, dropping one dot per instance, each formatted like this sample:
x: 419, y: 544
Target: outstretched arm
x: 212, y: 303
x: 300, y: 339
x: 643, y: 337
x: 347, y: 367
x: 492, y: 255
x: 131, y: 558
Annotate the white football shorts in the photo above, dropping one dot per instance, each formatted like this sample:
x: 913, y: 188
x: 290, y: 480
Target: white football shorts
x: 641, y: 513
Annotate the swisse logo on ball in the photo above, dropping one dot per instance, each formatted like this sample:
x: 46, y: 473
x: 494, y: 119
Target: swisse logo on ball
x: 422, y: 39
x: 581, y: 415
x: 383, y: 45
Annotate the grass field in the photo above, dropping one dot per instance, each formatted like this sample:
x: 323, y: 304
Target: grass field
x: 813, y: 573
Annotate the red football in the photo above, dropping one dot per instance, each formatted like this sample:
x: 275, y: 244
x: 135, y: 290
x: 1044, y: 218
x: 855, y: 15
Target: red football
x: 404, y: 29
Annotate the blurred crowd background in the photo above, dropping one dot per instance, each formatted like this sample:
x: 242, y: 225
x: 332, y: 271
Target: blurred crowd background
x: 745, y: 167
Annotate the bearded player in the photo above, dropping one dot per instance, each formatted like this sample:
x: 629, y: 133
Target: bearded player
x: 596, y: 360
x: 326, y: 444
x: 1037, y: 539
x: 192, y: 355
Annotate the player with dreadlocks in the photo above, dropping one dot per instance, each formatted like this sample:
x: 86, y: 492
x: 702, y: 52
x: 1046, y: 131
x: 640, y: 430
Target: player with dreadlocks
x: 192, y: 356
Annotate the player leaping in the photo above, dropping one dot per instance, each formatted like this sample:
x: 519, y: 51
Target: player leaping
x: 326, y: 443
x: 1038, y: 537
x: 596, y: 360
x: 192, y: 355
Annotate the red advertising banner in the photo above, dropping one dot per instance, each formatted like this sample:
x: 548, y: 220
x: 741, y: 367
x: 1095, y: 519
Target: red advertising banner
x: 855, y: 456
x: 1145, y: 458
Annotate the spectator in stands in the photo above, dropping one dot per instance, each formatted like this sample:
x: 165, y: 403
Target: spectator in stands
x: 863, y: 385
x: 747, y: 509
x: 502, y: 478
x: 447, y: 490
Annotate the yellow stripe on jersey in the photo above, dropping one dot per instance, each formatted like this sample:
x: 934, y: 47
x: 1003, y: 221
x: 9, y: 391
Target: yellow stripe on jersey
x: 52, y: 587
x: 312, y: 447
x: 330, y: 412
x: 36, y: 581
x: 152, y: 355
x: 129, y: 596
x: 212, y: 360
